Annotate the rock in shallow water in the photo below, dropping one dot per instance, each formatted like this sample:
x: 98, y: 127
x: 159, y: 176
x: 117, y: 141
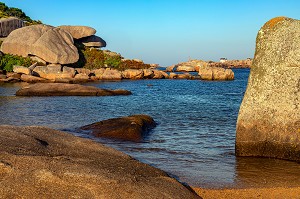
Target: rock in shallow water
x: 38, y: 162
x: 269, y: 118
x: 64, y: 89
x: 129, y: 128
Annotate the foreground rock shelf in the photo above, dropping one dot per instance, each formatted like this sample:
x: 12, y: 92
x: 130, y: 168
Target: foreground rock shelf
x: 38, y: 162
x: 62, y: 89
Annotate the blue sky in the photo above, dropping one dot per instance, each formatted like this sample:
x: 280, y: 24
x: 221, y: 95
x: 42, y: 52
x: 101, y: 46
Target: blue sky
x: 167, y: 31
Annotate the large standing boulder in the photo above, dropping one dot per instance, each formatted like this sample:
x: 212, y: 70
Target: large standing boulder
x: 79, y: 32
x: 268, y: 123
x: 130, y: 128
x: 38, y: 162
x: 53, y: 45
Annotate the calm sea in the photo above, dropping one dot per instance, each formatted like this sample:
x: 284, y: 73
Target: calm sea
x: 193, y: 141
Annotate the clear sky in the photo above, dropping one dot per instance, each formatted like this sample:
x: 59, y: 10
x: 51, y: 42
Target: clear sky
x: 167, y: 31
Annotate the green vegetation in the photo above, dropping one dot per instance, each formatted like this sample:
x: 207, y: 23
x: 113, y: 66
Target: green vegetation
x: 92, y: 58
x: 6, y: 11
x: 8, y: 61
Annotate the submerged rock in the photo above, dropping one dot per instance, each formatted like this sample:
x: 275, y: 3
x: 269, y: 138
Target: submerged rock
x: 64, y: 89
x: 38, y: 162
x: 129, y: 128
x: 268, y: 123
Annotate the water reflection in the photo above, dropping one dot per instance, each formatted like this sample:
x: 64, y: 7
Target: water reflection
x: 265, y: 172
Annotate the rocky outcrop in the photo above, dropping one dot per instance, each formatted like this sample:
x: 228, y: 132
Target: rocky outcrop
x: 22, y: 69
x: 133, y: 74
x: 185, y: 68
x: 7, y: 25
x: 33, y: 79
x: 53, y: 72
x: 93, y: 41
x: 79, y: 32
x: 130, y: 128
x: 62, y: 89
x: 38, y: 162
x: 111, y: 74
x: 53, y: 45
x: 268, y: 123
x: 215, y: 73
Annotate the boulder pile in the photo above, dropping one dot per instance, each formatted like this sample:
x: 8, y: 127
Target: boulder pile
x: 52, y: 45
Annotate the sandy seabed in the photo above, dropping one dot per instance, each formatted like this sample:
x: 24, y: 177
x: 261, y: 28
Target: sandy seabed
x: 265, y: 193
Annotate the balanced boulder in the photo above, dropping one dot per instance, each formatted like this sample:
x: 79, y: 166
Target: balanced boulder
x: 54, y: 45
x: 62, y: 89
x: 79, y: 32
x: 268, y: 123
x: 93, y: 41
x: 129, y: 128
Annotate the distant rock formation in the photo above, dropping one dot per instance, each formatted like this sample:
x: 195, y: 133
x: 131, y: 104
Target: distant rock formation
x: 7, y: 25
x: 268, y: 123
x: 194, y: 65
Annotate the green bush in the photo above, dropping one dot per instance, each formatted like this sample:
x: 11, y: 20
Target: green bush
x: 112, y: 61
x: 8, y: 61
x: 6, y: 11
x: 92, y: 58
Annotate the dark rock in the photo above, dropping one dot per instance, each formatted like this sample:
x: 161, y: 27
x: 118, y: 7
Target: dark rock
x: 126, y: 128
x: 7, y: 25
x: 93, y: 41
x: 62, y: 89
x: 38, y: 162
x: 268, y: 123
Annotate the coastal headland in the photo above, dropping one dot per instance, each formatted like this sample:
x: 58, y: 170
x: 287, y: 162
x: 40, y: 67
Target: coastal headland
x: 43, y: 162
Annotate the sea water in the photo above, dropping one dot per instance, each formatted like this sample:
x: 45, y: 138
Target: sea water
x: 195, y: 134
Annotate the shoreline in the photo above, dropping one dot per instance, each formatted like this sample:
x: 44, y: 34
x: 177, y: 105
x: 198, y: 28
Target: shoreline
x: 247, y: 193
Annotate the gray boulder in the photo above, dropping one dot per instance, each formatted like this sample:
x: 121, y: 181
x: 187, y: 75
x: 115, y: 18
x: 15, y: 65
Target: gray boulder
x: 79, y: 32
x: 51, y: 44
x: 268, y: 123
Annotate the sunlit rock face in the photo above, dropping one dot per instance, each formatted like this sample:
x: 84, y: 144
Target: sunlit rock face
x: 269, y: 118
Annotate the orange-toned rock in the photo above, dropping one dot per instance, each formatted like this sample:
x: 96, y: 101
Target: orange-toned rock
x: 133, y: 74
